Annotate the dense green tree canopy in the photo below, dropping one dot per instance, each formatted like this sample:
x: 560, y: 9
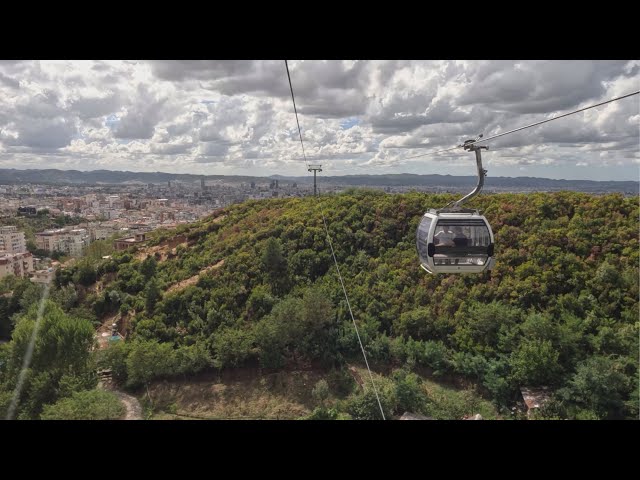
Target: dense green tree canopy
x: 559, y: 310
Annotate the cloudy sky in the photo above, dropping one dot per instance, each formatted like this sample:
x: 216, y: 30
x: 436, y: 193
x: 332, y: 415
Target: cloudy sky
x: 357, y: 117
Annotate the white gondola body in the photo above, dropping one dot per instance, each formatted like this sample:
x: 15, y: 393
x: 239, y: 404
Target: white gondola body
x: 455, y: 242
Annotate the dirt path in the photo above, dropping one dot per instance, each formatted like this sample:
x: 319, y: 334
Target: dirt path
x: 356, y: 376
x: 193, y: 280
x: 163, y: 249
x: 131, y: 404
x: 133, y: 410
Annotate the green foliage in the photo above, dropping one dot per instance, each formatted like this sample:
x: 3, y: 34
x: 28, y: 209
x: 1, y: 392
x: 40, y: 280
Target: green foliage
x: 148, y: 360
x: 259, y: 303
x: 65, y: 296
x: 85, y: 274
x: 320, y: 392
x: 321, y: 413
x: 98, y: 249
x: 16, y: 296
x: 62, y: 277
x: 340, y: 382
x: 599, y: 386
x: 366, y: 407
x: 409, y: 392
x: 192, y: 359
x: 107, y: 303
x: 60, y: 361
x: 535, y: 363
x: 231, y: 347
x: 297, y: 328
x: 564, y: 290
x: 64, y: 220
x: 151, y: 296
x: 275, y: 265
x: 115, y: 359
x: 448, y: 404
x: 139, y: 362
x: 148, y: 267
x: 85, y: 405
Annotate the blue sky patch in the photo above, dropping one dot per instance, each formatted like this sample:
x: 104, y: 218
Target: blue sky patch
x: 111, y: 121
x: 349, y: 122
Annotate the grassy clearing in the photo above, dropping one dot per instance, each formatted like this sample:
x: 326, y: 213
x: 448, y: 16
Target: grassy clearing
x: 285, y: 395
x: 288, y: 395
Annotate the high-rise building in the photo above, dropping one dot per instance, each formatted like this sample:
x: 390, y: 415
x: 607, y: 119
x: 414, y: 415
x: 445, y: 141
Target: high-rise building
x: 11, y: 240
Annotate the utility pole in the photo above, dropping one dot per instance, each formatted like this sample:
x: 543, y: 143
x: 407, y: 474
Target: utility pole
x: 314, y: 169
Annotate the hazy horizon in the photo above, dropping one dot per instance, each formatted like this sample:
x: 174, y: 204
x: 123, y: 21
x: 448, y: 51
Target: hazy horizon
x: 310, y: 176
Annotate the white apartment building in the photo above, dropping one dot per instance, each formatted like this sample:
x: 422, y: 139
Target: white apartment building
x: 69, y: 241
x: 102, y: 231
x: 11, y: 240
x: 18, y: 264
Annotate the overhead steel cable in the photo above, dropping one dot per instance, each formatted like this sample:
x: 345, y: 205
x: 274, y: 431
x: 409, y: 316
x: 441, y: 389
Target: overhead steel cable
x: 326, y: 229
x: 527, y: 126
x: 295, y: 110
x: 433, y: 153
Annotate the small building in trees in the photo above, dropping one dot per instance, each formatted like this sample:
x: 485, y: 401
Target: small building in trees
x: 43, y: 276
x: 535, y: 397
x: 124, y: 243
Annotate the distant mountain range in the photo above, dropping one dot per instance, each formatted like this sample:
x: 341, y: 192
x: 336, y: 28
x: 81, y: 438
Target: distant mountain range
x: 108, y: 177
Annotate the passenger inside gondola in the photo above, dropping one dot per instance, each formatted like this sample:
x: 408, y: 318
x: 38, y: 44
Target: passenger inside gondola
x: 459, y: 238
x: 444, y: 237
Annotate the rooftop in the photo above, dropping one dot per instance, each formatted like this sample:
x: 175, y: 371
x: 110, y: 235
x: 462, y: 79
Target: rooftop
x: 535, y: 397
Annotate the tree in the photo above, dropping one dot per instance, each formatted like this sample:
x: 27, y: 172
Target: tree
x: 535, y: 362
x: 260, y: 303
x: 599, y: 385
x: 148, y: 267
x: 231, y: 347
x: 85, y: 274
x: 478, y: 328
x: 409, y: 392
x: 318, y: 330
x: 16, y: 296
x: 63, y: 276
x: 275, y: 265
x: 151, y: 295
x: 60, y: 360
x: 114, y: 358
x: 147, y: 360
x: 321, y: 392
x: 98, y: 249
x: 366, y: 407
x: 85, y: 405
x: 33, y: 248
x: 191, y: 359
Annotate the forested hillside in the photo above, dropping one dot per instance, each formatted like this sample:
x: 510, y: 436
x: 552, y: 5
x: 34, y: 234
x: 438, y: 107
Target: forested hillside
x: 255, y: 285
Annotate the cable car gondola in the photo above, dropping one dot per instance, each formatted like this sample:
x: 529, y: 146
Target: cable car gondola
x: 455, y: 239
